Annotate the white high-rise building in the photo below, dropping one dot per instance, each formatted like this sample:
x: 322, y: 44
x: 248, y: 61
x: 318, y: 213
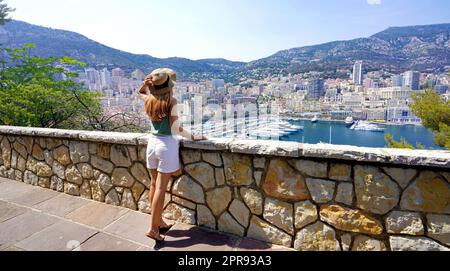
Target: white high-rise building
x: 93, y: 79
x: 316, y: 89
x: 411, y: 80
x: 358, y: 73
x: 397, y: 80
x: 90, y: 75
x: 105, y: 76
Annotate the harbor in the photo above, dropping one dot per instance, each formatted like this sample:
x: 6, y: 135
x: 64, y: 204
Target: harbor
x: 249, y: 128
x: 314, y: 131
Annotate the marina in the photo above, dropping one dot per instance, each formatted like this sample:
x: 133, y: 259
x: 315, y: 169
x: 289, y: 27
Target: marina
x: 348, y: 132
x: 249, y: 128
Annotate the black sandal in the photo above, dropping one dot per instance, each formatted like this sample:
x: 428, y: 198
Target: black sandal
x: 154, y: 235
x: 166, y: 227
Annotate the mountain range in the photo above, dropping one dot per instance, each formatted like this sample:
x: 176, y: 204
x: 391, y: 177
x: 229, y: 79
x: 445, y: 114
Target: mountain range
x: 422, y: 48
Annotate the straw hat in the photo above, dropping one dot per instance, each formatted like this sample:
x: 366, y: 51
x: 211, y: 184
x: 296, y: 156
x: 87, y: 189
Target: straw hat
x: 163, y: 81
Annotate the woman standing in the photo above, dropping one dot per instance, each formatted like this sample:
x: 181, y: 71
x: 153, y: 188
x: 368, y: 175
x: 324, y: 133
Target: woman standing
x: 163, y: 147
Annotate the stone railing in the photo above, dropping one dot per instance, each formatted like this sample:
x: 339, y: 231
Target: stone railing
x: 310, y: 197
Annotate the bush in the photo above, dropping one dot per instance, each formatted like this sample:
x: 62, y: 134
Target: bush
x: 30, y: 94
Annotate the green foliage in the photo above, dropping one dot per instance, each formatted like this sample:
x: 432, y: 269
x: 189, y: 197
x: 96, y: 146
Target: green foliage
x: 442, y: 137
x: 37, y: 106
x: 402, y: 144
x: 31, y: 94
x: 4, y: 12
x: 435, y: 115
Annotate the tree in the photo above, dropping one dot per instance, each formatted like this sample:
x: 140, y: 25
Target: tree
x: 4, y: 12
x: 31, y: 95
x: 402, y: 144
x: 435, y: 115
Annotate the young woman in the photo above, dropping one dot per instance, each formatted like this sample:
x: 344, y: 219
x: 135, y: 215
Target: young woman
x: 163, y: 147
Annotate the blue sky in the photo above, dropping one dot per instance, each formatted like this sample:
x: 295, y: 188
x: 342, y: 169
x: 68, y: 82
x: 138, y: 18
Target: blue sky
x: 233, y: 29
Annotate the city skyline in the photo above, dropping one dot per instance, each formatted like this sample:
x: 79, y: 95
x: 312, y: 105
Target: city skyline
x: 217, y: 31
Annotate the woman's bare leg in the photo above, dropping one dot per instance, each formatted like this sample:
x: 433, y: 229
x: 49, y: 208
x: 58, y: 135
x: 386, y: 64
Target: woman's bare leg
x: 158, y: 200
x: 154, y: 176
x: 151, y: 193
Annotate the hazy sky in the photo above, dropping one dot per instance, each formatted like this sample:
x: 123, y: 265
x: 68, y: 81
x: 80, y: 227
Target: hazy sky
x: 233, y: 29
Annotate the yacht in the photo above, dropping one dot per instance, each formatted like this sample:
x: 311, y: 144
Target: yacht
x: 315, y: 119
x: 349, y: 121
x: 366, y: 126
x: 286, y: 126
x: 297, y: 127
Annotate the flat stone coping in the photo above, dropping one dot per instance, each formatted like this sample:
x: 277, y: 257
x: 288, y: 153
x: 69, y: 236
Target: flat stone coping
x: 427, y: 158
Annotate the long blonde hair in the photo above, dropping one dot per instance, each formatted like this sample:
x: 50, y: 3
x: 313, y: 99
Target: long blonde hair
x: 158, y: 107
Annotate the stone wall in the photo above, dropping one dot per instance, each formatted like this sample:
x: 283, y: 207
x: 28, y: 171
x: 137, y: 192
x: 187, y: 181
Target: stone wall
x: 310, y: 197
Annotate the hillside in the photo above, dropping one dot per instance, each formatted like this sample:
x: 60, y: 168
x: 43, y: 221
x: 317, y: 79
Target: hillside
x: 395, y: 49
x: 423, y: 48
x: 53, y: 42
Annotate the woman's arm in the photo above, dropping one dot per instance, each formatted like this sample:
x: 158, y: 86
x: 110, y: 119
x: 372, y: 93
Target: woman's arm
x: 143, y: 90
x: 176, y: 127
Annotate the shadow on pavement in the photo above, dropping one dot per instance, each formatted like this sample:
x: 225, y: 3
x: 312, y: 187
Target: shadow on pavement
x: 201, y: 239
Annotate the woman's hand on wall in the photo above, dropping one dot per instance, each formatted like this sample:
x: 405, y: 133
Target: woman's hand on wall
x: 199, y: 138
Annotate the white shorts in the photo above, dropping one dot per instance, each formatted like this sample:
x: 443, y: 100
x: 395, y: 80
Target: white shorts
x: 163, y: 153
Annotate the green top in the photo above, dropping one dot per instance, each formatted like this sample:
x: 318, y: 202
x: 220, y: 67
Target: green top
x: 161, y: 128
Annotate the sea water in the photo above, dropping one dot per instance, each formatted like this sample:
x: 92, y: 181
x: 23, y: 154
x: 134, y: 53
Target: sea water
x: 314, y: 133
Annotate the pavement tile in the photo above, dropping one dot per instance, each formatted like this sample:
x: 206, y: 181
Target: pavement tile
x: 3, y: 180
x: 23, y: 226
x: 98, y: 215
x: 25, y: 229
x: 12, y: 248
x: 106, y: 242
x: 61, y: 205
x: 132, y: 226
x: 34, y: 197
x: 9, y: 190
x: 8, y: 211
x: 61, y: 236
x: 143, y: 248
x: 182, y: 237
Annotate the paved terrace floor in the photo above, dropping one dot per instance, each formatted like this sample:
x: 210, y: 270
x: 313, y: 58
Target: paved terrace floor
x: 38, y: 219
